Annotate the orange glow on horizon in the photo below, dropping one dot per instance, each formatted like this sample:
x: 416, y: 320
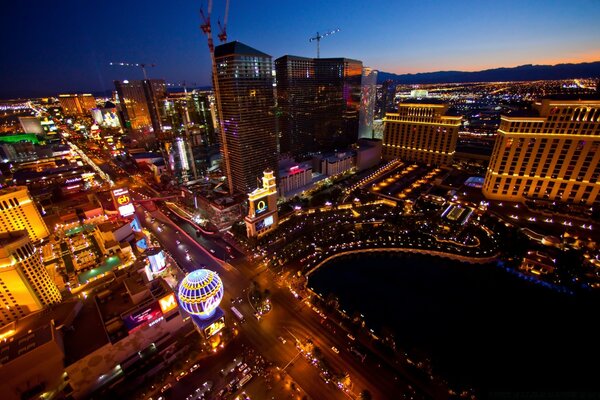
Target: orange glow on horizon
x: 416, y: 69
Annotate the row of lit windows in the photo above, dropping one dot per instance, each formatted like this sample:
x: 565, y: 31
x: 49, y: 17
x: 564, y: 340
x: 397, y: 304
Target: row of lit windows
x: 13, y: 203
x: 421, y: 156
x: 547, y: 189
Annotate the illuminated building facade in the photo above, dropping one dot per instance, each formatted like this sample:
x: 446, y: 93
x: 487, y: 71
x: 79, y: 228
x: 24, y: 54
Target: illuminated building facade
x: 122, y: 200
x: 193, y: 148
x: 106, y: 117
x: 25, y: 285
x: 140, y: 101
x: 156, y: 259
x: 76, y: 104
x: 318, y: 101
x: 553, y: 155
x: 200, y: 294
x: 421, y: 132
x: 368, y: 97
x: 262, y: 214
x: 246, y: 94
x: 294, y: 177
x: 18, y: 211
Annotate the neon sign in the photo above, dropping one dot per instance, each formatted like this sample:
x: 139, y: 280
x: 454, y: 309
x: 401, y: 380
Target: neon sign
x: 167, y: 303
x: 260, y: 206
x: 123, y: 201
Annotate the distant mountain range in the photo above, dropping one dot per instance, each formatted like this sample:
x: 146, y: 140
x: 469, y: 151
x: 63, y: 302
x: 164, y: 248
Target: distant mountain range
x: 521, y: 73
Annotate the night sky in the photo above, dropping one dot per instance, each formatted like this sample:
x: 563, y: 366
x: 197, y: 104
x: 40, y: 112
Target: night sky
x: 51, y: 47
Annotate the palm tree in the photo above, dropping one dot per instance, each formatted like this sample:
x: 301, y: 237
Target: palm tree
x: 365, y: 395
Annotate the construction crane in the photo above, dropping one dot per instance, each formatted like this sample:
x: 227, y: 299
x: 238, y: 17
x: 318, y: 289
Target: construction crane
x: 207, y: 30
x: 140, y: 65
x: 223, y: 29
x: 318, y: 38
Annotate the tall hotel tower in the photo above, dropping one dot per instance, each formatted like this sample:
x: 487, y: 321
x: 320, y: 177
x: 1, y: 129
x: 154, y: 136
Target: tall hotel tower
x: 368, y: 97
x: 247, y: 99
x: 319, y: 100
x: 77, y: 104
x: 421, y: 132
x: 553, y: 154
x: 25, y: 285
x: 140, y: 102
x: 18, y: 211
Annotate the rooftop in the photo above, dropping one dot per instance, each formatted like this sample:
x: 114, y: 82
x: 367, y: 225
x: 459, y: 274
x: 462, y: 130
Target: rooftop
x: 11, y: 189
x: 111, y: 226
x: 10, y: 237
x: 87, y: 335
x: 108, y: 265
x: 423, y: 101
x: 35, y: 329
x: 574, y: 97
x: 522, y: 113
x: 318, y: 60
x: 237, y: 48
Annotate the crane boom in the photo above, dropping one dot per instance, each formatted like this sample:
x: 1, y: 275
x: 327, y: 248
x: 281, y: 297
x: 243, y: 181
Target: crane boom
x: 318, y: 38
x: 207, y: 30
x: 223, y: 29
x: 140, y: 65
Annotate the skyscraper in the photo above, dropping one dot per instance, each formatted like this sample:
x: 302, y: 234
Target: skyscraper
x: 421, y: 132
x: 368, y: 97
x: 140, y: 101
x: 245, y: 80
x: 187, y: 119
x: 318, y: 100
x: 18, y: 211
x: 25, y: 285
x: 386, y: 98
x: 76, y: 104
x: 552, y: 154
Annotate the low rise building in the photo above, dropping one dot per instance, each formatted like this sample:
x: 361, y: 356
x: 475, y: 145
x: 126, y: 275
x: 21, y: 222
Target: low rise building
x: 368, y: 153
x: 294, y: 177
x: 78, y: 347
x: 334, y: 164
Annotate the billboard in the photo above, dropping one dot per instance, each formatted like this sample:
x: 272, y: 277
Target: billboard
x: 214, y: 328
x: 106, y: 117
x: 264, y: 223
x: 123, y: 201
x: 167, y: 303
x: 260, y: 206
x: 142, y: 317
x: 157, y: 259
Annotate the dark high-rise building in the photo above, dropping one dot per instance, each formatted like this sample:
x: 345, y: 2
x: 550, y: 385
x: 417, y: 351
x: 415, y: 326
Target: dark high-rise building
x: 386, y: 98
x: 245, y: 82
x: 140, y: 102
x: 319, y: 101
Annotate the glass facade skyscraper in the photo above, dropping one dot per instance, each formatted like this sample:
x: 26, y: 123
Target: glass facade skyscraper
x: 367, y: 103
x: 187, y: 120
x: 318, y: 103
x: 247, y: 100
x: 140, y: 102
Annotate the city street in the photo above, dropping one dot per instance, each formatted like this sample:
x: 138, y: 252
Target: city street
x: 288, y: 315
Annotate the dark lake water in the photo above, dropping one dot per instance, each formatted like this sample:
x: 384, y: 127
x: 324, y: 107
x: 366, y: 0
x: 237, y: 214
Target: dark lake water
x: 481, y: 325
